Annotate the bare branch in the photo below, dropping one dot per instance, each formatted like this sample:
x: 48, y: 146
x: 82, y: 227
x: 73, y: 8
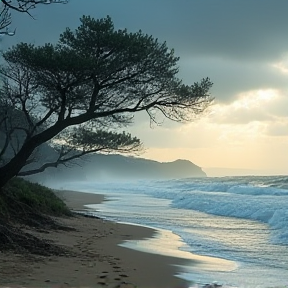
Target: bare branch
x: 21, y: 6
x: 62, y: 160
x: 24, y: 6
x: 5, y: 20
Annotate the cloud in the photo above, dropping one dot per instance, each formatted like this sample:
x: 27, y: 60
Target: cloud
x: 252, y: 115
x: 239, y: 29
x: 240, y: 45
x: 228, y: 29
x: 278, y: 128
x: 248, y: 107
x: 281, y: 66
x: 231, y: 77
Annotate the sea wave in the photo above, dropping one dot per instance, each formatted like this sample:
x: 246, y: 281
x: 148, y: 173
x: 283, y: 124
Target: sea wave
x: 255, y: 198
x: 239, y: 198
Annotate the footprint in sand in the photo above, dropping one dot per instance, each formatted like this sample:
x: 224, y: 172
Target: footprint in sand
x: 103, y: 276
x: 123, y: 275
x: 126, y: 285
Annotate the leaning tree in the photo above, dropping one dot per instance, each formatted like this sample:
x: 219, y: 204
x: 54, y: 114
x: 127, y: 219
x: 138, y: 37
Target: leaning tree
x: 22, y: 6
x: 77, y: 93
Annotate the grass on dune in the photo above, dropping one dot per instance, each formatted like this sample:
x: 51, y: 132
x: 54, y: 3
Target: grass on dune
x: 30, y: 195
x: 25, y: 205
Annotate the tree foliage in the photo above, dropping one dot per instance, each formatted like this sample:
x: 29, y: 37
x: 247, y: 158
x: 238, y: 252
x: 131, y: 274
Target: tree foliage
x: 90, y: 83
x: 22, y: 6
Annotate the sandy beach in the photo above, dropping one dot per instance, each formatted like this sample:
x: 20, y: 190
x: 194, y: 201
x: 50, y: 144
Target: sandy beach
x: 94, y: 258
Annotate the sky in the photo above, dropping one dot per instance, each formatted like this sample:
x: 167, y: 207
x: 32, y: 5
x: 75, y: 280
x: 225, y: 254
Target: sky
x: 241, y: 45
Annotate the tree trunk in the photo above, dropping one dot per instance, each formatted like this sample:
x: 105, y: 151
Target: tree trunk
x: 12, y: 168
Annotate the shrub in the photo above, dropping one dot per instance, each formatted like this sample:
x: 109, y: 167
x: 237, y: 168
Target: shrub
x: 32, y: 195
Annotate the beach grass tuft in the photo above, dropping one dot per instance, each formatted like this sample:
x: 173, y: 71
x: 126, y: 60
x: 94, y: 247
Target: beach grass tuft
x: 26, y: 206
x: 30, y: 195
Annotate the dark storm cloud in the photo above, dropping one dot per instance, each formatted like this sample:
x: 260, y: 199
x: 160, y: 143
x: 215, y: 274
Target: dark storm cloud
x: 232, y: 42
x: 232, y: 77
x: 244, y: 29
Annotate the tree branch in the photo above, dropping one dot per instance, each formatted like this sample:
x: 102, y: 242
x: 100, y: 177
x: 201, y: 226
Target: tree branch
x: 63, y: 161
x: 27, y: 5
x: 21, y: 6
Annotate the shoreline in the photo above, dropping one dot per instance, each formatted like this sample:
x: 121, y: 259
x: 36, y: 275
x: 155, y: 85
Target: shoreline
x: 171, y: 265
x: 96, y: 258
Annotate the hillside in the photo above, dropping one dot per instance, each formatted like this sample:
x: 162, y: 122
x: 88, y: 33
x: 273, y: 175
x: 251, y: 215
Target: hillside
x: 104, y: 167
x: 117, y: 166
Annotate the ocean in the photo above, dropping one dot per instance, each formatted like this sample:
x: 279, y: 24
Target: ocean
x: 234, y: 228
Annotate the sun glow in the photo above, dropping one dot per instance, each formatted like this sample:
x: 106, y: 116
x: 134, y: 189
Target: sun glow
x: 254, y: 99
x: 245, y: 133
x: 282, y: 66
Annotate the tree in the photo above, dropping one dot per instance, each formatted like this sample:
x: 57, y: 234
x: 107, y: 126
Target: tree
x: 22, y: 6
x: 81, y: 90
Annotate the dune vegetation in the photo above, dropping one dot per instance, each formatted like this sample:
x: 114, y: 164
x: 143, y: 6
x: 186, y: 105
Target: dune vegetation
x: 26, y: 206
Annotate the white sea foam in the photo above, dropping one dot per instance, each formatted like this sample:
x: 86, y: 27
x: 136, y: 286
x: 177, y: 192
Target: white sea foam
x: 255, y: 198
x: 228, y: 198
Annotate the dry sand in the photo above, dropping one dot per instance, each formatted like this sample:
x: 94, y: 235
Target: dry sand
x: 95, y: 258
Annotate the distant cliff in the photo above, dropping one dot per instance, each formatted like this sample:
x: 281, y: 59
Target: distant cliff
x: 104, y: 167
x: 117, y: 166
